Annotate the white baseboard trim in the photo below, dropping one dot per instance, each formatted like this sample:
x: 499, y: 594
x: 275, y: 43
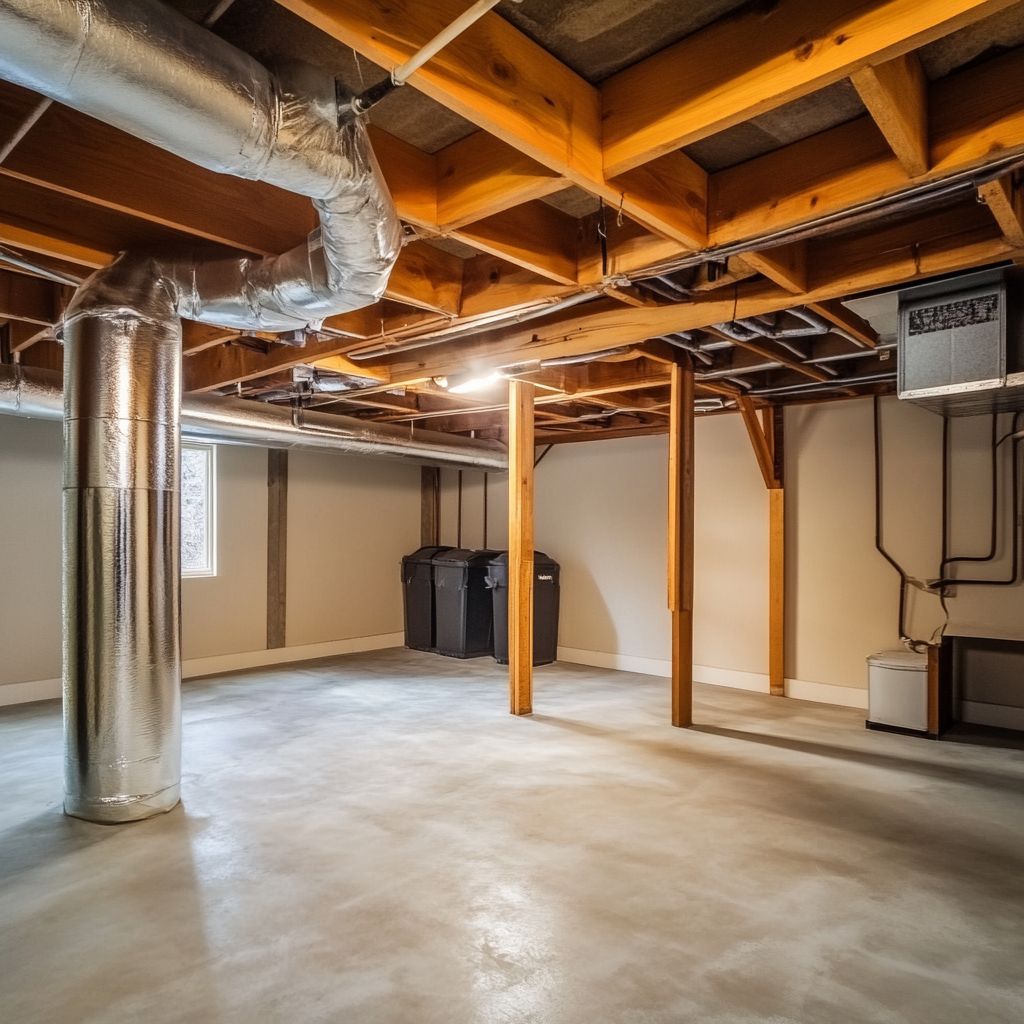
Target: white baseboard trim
x: 827, y: 693
x: 999, y: 716
x: 798, y: 689
x: 25, y: 693
x: 619, y: 662
x: 195, y: 668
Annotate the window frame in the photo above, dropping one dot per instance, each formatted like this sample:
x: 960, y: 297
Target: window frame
x: 210, y: 569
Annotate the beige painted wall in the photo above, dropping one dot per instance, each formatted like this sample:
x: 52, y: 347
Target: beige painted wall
x: 227, y: 613
x: 30, y: 552
x: 601, y: 512
x: 350, y: 521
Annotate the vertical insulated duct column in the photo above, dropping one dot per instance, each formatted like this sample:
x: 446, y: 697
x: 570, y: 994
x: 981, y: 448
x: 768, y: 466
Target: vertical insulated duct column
x: 122, y: 657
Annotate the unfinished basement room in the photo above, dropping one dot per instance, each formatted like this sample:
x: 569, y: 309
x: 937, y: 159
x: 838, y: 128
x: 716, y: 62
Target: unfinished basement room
x: 511, y: 512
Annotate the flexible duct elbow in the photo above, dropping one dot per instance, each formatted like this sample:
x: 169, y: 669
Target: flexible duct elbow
x: 151, y: 72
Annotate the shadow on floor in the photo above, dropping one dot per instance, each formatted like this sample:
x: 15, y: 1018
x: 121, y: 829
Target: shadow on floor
x: 46, y: 838
x: 948, y: 773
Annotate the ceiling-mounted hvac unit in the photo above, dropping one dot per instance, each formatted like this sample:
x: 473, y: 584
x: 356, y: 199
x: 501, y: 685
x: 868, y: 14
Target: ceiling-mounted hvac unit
x: 961, y: 344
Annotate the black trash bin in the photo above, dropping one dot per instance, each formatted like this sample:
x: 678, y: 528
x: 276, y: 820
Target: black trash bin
x: 418, y: 597
x: 463, y: 602
x: 545, y: 607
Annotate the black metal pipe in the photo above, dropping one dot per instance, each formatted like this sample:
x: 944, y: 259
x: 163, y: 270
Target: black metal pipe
x: 945, y: 582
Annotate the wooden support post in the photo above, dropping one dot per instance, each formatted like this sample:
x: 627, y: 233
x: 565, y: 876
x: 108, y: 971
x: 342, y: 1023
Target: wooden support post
x: 277, y: 546
x: 775, y: 437
x: 430, y: 506
x: 680, y: 542
x: 520, y: 546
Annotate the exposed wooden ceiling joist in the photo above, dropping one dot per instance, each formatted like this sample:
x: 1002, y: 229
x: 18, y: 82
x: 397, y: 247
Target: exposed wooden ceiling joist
x: 503, y: 82
x: 922, y: 247
x: 758, y: 59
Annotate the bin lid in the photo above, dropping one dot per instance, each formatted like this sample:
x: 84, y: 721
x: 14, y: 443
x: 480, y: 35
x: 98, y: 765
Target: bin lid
x: 463, y: 557
x: 425, y: 554
x: 905, y: 660
x: 540, y: 560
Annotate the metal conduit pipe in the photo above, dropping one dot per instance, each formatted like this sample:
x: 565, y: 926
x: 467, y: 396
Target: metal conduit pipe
x: 812, y: 387
x: 681, y: 341
x: 438, y: 337
x: 26, y: 391
x: 589, y: 357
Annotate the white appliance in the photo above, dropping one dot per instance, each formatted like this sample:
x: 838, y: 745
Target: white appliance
x: 898, y: 690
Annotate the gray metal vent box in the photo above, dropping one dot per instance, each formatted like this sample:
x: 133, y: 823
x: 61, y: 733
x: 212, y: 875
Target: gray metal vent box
x: 961, y: 344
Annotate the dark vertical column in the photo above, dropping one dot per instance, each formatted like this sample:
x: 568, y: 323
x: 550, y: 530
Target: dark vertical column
x: 277, y: 547
x: 430, y: 506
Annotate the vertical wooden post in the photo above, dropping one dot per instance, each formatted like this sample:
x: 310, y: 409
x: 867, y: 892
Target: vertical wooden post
x: 277, y: 547
x: 680, y: 542
x: 430, y: 506
x: 520, y: 547
x: 773, y: 428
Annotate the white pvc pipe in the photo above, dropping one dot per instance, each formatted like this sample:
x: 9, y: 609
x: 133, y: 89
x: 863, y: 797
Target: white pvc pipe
x: 403, y: 72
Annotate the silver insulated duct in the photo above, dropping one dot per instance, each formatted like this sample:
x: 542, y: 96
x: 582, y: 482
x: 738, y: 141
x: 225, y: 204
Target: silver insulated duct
x: 122, y: 651
x: 37, y: 394
x: 149, y: 71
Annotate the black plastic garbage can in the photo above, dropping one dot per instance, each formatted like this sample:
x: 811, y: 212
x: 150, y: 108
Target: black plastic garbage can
x: 463, y: 602
x: 418, y: 597
x: 546, y: 588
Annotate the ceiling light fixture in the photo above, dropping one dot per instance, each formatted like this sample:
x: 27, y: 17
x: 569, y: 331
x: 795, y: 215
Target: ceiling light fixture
x: 472, y: 384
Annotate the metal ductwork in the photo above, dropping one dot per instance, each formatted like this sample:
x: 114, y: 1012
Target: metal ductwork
x: 37, y: 394
x: 149, y: 71
x: 122, y: 649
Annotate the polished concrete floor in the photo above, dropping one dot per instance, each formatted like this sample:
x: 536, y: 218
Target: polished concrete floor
x: 373, y: 839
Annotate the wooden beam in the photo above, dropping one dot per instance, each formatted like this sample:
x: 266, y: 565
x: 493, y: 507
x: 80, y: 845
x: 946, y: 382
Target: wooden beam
x: 957, y: 239
x: 500, y: 80
x: 975, y: 115
x: 785, y: 265
x: 680, y: 542
x: 520, y: 546
x: 1003, y: 200
x: 896, y: 95
x: 108, y: 168
x: 758, y: 440
x: 430, y: 506
x: 22, y: 335
x: 411, y: 176
x: 426, y: 277
x: 29, y: 299
x: 846, y: 320
x: 774, y: 431
x: 533, y: 236
x: 277, y: 547
x: 763, y: 56
x: 479, y: 176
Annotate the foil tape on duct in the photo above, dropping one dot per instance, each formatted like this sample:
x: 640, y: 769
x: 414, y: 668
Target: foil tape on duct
x: 151, y: 72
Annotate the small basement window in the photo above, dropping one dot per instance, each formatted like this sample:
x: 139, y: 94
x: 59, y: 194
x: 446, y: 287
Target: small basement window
x: 198, y: 510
